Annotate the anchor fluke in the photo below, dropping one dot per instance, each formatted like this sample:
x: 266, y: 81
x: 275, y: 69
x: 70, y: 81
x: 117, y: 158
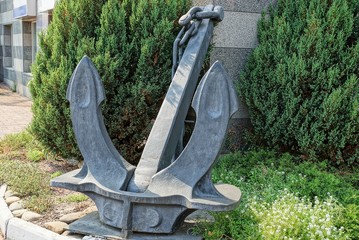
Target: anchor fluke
x: 214, y: 102
x: 102, y: 161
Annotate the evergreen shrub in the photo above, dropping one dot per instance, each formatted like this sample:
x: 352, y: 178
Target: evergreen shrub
x: 130, y: 43
x: 301, y: 83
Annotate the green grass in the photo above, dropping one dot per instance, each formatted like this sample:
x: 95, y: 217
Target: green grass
x: 20, y: 156
x: 21, y: 146
x: 56, y: 174
x: 76, y: 197
x: 269, y: 182
x: 28, y: 181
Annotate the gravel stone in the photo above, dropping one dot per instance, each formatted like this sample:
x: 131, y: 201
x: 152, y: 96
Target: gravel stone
x: 9, y: 193
x: 11, y: 200
x: 30, y: 216
x: 71, y: 217
x: 72, y: 235
x: 19, y: 213
x: 57, y: 226
x: 90, y: 210
x: 16, y: 206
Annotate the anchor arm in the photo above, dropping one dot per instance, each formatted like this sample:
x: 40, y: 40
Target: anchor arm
x: 85, y: 94
x: 162, y: 141
x: 215, y: 102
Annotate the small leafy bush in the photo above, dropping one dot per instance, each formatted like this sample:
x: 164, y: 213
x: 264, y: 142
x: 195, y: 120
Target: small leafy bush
x: 130, y: 42
x: 301, y: 83
x: 35, y: 155
x: 263, y: 177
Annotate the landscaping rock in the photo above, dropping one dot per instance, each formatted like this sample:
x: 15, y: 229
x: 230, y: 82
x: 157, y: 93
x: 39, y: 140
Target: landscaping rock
x: 69, y: 218
x: 200, y: 216
x: 73, y: 161
x: 19, y: 213
x: 11, y: 200
x: 72, y: 235
x: 9, y: 193
x: 80, y: 164
x: 57, y: 226
x: 30, y: 216
x: 66, y: 233
x: 16, y: 206
x: 90, y: 210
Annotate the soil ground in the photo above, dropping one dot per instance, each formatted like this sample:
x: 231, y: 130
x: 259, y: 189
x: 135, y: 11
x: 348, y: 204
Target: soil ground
x: 60, y: 207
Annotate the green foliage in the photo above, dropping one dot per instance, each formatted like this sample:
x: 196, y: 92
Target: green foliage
x: 35, y: 155
x: 56, y: 174
x: 130, y: 43
x: 28, y: 181
x: 72, y: 22
x: 301, y: 83
x: 13, y: 142
x: 76, y: 197
x: 21, y: 145
x: 270, y: 181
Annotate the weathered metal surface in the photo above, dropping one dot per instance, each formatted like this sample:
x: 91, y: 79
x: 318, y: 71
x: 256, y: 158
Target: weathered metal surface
x: 162, y: 141
x: 167, y: 185
x: 102, y: 161
x: 92, y: 225
x: 128, y: 211
x: 215, y: 102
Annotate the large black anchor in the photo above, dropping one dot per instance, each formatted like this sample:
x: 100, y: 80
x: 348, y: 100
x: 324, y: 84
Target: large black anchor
x: 158, y: 194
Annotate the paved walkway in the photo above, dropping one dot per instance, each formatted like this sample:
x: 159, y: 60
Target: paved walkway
x: 15, y: 112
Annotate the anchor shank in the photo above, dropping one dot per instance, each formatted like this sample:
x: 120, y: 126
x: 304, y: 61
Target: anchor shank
x: 162, y: 141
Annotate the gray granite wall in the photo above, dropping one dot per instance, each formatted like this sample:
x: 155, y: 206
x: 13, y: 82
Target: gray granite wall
x: 233, y: 41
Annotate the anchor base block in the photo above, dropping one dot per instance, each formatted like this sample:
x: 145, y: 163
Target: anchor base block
x: 145, y: 212
x: 91, y: 225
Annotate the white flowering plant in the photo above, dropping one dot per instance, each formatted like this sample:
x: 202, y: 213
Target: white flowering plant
x: 292, y: 217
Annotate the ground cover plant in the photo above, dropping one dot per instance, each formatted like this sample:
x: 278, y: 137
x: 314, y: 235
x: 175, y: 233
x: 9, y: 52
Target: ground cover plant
x: 130, y: 42
x: 301, y: 83
x: 30, y: 177
x: 284, y: 198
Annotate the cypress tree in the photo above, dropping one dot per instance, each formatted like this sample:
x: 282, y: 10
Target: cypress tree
x: 301, y: 83
x: 52, y: 69
x: 130, y: 43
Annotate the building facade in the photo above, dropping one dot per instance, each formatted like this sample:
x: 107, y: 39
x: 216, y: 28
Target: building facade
x: 20, y: 23
x: 22, y: 20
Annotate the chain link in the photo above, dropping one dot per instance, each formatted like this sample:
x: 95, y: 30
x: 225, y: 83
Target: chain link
x: 191, y: 22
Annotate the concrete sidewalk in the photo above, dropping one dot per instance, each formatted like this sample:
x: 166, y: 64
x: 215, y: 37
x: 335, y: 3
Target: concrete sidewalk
x: 15, y: 112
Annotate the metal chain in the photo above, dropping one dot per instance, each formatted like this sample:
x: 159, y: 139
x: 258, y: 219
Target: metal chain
x: 191, y: 22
